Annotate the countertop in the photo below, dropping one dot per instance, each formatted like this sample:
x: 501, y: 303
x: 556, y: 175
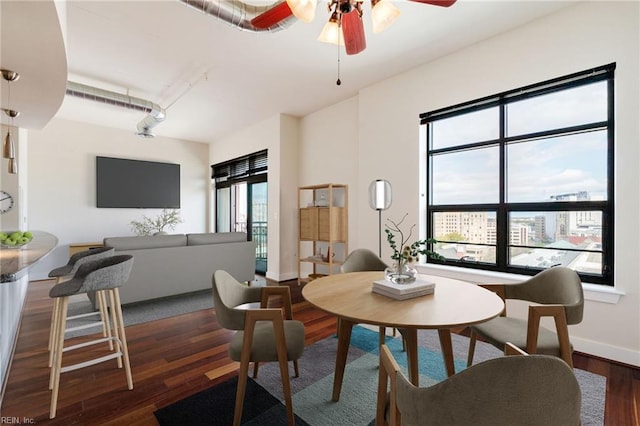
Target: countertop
x: 14, y: 262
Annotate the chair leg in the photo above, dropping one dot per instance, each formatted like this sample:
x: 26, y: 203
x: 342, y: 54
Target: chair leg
x: 242, y: 387
x: 565, y: 345
x: 284, y: 375
x: 56, y: 347
x: 255, y: 369
x: 115, y: 306
x: 57, y: 357
x: 53, y: 331
x: 472, y: 348
x: 116, y: 328
x: 296, y: 370
x: 104, y: 317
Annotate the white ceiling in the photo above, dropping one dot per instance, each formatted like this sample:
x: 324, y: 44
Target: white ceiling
x: 214, y: 79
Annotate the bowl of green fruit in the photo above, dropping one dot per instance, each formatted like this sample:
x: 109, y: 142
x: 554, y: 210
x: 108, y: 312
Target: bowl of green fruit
x: 15, y: 239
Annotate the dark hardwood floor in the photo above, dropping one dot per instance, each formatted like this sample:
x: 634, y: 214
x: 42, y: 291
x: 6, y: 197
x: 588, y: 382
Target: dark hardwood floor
x: 176, y: 357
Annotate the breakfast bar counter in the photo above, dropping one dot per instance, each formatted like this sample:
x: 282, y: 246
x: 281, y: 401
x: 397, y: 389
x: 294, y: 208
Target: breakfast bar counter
x: 14, y: 279
x: 14, y: 261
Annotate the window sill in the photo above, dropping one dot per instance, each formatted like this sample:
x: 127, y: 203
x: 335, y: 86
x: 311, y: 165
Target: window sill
x: 593, y: 292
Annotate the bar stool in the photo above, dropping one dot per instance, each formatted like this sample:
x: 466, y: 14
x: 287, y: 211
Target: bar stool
x: 102, y: 275
x: 64, y: 273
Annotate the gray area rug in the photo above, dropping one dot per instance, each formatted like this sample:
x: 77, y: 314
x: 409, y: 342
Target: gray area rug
x: 138, y: 313
x: 141, y: 312
x: 312, y: 390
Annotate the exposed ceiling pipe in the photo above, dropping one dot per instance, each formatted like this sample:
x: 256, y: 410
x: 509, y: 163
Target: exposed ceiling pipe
x: 156, y: 112
x: 238, y: 14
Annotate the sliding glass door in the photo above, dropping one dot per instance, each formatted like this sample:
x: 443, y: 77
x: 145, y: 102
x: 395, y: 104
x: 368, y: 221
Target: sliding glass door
x: 241, y: 201
x: 257, y: 222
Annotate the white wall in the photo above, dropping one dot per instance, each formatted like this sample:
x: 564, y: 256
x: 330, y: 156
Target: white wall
x: 329, y: 154
x: 384, y: 137
x: 279, y: 135
x: 61, y: 197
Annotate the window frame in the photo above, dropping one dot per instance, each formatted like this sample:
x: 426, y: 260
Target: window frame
x: 503, y: 208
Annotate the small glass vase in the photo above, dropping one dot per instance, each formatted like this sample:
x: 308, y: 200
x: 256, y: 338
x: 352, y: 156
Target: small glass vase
x: 401, y: 273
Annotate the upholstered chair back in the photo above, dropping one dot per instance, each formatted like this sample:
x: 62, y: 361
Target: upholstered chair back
x: 537, y: 389
x: 79, y: 258
x: 228, y: 293
x: 96, y: 275
x: 362, y: 260
x: 557, y: 285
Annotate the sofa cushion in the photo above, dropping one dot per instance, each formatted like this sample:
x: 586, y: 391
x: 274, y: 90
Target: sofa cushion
x: 216, y: 238
x: 146, y: 242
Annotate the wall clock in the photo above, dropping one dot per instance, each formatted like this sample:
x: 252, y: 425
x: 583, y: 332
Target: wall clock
x: 6, y: 202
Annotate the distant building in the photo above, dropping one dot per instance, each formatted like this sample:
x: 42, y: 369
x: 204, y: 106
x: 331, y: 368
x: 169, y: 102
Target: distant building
x: 492, y: 230
x: 519, y: 235
x: 577, y: 223
x: 540, y: 228
x: 471, y: 225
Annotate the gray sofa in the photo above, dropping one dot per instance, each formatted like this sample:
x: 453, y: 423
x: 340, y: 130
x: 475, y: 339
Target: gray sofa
x: 167, y: 265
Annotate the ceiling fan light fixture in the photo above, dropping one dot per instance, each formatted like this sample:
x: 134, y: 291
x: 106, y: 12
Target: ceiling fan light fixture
x: 383, y: 14
x: 331, y: 32
x: 305, y: 10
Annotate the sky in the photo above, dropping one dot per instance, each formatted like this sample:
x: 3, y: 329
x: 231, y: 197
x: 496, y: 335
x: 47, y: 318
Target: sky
x: 536, y: 169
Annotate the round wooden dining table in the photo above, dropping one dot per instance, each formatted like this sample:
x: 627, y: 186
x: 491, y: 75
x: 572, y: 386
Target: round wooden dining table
x: 453, y: 304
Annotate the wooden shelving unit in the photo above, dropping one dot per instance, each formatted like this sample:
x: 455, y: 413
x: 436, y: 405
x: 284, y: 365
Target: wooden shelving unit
x: 322, y: 229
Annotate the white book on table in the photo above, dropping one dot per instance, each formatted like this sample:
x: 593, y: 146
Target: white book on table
x: 384, y: 292
x: 418, y: 285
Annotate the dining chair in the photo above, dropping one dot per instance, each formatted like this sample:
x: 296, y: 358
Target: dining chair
x: 262, y: 334
x: 555, y: 292
x: 509, y: 390
x: 360, y: 260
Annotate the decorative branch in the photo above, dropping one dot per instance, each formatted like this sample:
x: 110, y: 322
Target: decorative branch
x: 407, y: 253
x: 148, y: 226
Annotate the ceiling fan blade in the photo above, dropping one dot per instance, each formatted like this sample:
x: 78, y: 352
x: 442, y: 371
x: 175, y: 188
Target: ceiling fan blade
x: 353, y: 33
x: 443, y: 3
x: 272, y: 16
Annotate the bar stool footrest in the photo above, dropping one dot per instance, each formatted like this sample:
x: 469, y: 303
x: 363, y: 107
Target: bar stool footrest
x: 83, y: 326
x: 88, y: 314
x: 90, y: 362
x: 90, y: 343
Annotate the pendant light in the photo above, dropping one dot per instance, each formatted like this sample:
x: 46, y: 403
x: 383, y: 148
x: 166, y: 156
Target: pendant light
x: 9, y: 147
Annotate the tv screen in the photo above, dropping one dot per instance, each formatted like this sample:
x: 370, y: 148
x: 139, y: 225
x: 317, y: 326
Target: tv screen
x: 139, y: 184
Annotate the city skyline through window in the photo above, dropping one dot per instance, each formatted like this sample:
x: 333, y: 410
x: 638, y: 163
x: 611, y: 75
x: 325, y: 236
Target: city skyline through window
x: 522, y: 181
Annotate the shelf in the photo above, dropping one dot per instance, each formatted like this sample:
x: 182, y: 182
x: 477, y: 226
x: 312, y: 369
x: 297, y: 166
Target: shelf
x: 321, y: 262
x: 322, y: 228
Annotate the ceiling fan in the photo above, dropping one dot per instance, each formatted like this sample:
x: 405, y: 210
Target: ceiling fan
x: 345, y: 26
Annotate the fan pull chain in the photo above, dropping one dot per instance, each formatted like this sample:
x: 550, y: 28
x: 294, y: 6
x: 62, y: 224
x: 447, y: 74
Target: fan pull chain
x: 338, y: 82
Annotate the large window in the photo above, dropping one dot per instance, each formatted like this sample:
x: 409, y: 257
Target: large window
x: 523, y: 180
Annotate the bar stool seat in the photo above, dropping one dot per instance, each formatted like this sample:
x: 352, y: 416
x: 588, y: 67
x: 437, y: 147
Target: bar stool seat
x: 101, y: 275
x: 67, y: 271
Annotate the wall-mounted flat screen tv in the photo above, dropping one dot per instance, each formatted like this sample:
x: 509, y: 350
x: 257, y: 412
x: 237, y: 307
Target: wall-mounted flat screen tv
x: 126, y: 183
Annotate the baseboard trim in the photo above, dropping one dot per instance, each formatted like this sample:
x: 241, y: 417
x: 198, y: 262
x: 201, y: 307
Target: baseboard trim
x: 282, y: 277
x: 608, y: 352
